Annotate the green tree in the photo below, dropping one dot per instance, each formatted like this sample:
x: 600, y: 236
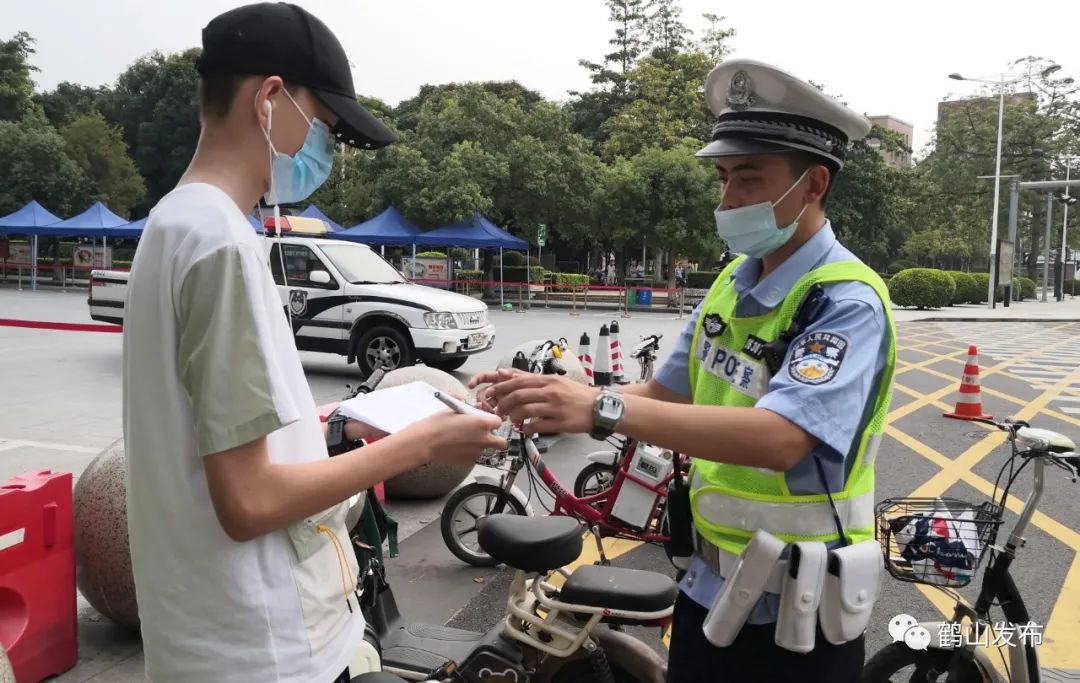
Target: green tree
x: 716, y: 39
x: 36, y: 166
x: 69, y: 100
x: 154, y: 104
x: 867, y: 204
x: 16, y: 85
x: 666, y: 107
x: 662, y: 198
x: 666, y: 32
x: 1037, y: 133
x: 99, y: 151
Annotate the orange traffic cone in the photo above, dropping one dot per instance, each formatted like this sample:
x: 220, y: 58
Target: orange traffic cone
x: 969, y: 402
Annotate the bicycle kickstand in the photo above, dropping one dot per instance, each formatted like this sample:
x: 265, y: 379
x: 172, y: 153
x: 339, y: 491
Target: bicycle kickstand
x: 604, y: 561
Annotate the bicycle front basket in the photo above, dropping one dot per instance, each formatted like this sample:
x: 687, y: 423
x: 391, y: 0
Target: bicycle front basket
x: 935, y: 541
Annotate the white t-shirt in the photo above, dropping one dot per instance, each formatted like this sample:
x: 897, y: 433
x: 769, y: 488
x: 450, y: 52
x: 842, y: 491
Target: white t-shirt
x: 210, y: 364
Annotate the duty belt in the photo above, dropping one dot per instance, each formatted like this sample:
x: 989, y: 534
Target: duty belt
x: 723, y: 563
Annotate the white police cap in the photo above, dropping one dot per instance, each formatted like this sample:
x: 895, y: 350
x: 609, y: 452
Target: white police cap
x: 761, y: 109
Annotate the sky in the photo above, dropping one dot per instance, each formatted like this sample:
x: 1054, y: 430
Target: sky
x: 880, y: 58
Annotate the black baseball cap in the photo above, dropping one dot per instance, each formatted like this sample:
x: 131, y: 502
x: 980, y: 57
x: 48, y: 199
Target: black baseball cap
x: 281, y: 39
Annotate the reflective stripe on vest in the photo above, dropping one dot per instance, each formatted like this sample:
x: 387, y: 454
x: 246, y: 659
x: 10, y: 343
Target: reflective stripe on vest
x: 790, y: 518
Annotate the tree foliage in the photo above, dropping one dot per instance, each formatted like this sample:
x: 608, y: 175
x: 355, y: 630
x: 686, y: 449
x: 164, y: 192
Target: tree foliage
x: 36, y: 166
x: 99, y: 150
x: 16, y: 84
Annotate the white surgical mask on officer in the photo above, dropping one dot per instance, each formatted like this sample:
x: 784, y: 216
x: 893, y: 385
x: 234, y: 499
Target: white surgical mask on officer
x: 752, y: 230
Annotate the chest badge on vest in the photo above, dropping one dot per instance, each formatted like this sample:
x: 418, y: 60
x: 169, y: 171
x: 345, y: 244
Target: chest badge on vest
x: 754, y: 347
x: 816, y: 358
x: 714, y: 325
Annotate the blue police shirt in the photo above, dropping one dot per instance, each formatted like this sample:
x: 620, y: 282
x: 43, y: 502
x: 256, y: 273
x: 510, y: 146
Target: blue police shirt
x: 834, y: 412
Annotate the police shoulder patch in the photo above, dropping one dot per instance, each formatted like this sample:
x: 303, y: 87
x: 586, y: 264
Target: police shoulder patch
x: 816, y: 357
x: 714, y: 325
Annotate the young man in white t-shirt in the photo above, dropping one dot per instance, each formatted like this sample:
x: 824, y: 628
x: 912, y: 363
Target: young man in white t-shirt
x: 243, y: 566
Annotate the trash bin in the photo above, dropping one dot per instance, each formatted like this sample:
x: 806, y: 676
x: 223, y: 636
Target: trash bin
x: 631, y: 296
x: 644, y: 297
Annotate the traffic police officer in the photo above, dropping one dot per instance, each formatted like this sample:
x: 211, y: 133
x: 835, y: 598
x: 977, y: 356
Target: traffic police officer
x: 782, y: 442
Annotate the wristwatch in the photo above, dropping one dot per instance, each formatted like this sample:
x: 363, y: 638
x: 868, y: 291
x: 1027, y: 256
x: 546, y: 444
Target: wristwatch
x: 608, y: 411
x: 336, y: 443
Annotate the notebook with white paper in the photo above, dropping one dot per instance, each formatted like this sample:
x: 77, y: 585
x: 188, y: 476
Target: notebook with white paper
x: 392, y: 410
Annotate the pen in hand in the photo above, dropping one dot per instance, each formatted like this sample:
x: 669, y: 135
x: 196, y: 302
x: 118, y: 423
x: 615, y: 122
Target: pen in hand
x: 452, y: 405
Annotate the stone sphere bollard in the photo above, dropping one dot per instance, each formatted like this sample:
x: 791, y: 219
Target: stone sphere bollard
x: 102, y: 554
x: 434, y: 479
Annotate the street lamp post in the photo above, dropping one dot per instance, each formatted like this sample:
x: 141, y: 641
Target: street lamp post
x: 1064, y: 230
x: 1001, y: 83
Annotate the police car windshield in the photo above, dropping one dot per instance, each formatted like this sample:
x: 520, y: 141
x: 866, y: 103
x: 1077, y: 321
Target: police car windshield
x: 360, y: 265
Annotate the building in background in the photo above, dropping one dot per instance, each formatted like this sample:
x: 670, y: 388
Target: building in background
x: 894, y: 158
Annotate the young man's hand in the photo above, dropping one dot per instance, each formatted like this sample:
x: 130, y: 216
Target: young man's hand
x: 455, y: 439
x: 554, y: 403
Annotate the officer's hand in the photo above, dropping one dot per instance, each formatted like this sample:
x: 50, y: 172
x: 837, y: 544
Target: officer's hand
x: 492, y: 378
x: 554, y: 403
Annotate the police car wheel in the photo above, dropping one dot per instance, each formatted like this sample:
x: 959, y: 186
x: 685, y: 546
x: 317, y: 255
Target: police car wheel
x: 384, y: 346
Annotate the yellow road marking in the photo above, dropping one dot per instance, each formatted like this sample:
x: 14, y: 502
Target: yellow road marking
x: 1064, y: 623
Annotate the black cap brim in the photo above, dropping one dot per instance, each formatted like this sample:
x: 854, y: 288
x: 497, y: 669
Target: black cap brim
x: 737, y: 147
x: 356, y: 126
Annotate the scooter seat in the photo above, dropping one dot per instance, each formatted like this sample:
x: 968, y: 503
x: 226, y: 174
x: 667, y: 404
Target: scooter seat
x: 632, y: 590
x: 378, y: 677
x: 531, y: 544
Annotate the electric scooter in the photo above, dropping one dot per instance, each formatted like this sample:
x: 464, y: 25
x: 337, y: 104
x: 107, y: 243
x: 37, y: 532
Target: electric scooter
x: 550, y: 634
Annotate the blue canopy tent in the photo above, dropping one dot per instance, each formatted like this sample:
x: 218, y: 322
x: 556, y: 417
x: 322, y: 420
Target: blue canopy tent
x: 29, y: 220
x: 389, y: 228
x: 477, y: 232
x: 97, y: 221
x: 314, y: 212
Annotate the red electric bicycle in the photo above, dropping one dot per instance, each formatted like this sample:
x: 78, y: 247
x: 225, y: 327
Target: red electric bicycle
x: 632, y: 505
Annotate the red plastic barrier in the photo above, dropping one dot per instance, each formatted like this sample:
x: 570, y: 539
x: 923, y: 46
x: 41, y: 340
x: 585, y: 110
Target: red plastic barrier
x: 38, y: 626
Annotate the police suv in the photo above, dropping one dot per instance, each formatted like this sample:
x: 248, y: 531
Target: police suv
x: 344, y: 298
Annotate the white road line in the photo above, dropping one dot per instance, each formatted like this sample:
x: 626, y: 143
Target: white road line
x: 6, y: 444
x: 1070, y: 411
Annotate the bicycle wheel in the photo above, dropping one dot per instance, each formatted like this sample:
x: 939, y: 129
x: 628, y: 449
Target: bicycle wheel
x: 462, y: 511
x: 898, y: 663
x: 594, y: 478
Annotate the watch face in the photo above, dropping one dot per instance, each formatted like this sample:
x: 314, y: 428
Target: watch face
x: 611, y: 408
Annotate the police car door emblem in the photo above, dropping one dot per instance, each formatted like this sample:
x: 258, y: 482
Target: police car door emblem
x: 714, y: 325
x: 816, y: 358
x: 298, y: 301
x: 740, y: 94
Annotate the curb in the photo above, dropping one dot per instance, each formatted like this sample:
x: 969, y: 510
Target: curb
x: 996, y: 320
x: 66, y: 327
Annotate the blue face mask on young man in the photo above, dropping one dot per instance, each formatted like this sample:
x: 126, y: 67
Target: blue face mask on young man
x: 752, y: 230
x: 294, y: 178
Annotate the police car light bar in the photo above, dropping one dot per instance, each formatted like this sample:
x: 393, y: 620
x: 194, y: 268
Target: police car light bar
x: 298, y: 225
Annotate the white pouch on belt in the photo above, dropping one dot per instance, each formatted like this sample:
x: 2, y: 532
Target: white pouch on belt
x: 796, y: 625
x: 742, y: 588
x: 852, y: 584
